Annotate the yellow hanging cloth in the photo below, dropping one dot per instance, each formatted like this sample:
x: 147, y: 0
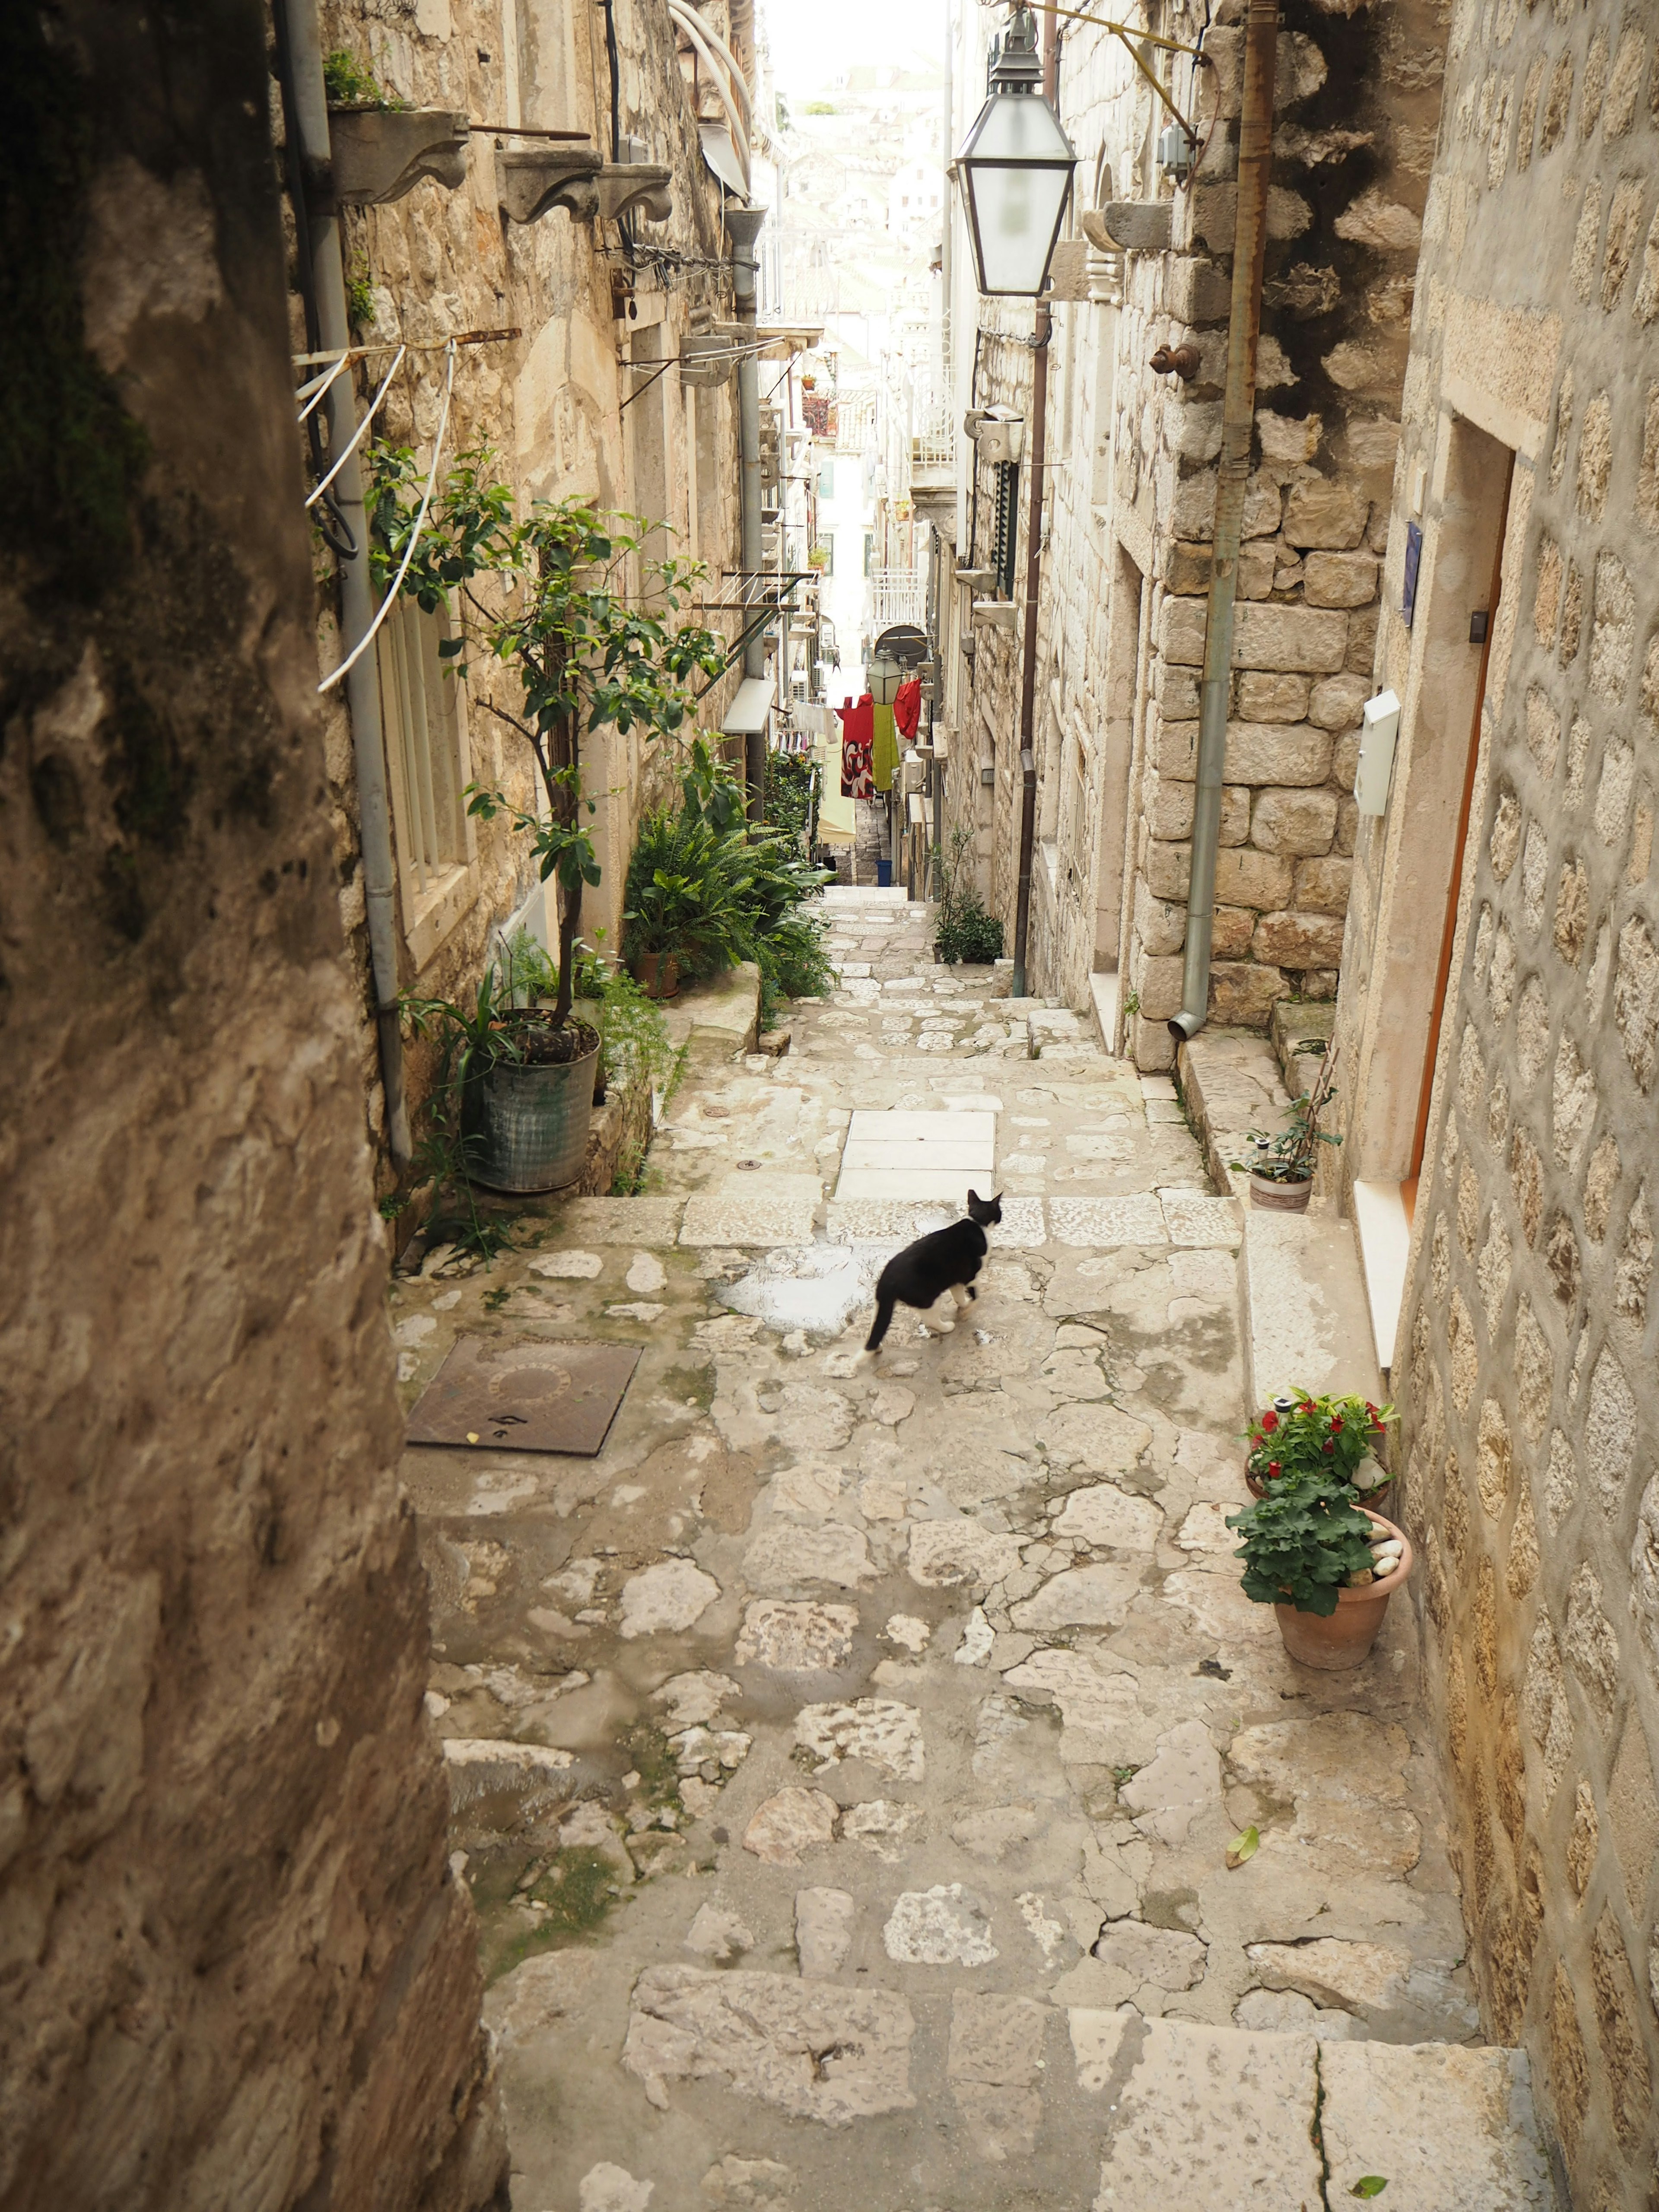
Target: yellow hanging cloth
x: 883, y: 760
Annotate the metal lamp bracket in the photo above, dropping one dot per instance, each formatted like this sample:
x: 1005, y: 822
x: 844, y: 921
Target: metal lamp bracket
x: 379, y: 153
x: 1131, y: 40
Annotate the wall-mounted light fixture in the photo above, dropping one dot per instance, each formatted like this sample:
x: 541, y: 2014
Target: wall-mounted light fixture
x: 1015, y: 171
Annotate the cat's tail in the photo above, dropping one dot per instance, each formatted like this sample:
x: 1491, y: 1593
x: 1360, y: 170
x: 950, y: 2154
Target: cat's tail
x: 879, y: 1328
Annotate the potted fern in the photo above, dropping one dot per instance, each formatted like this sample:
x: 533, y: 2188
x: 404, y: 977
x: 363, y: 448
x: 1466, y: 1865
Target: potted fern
x: 586, y: 656
x: 1281, y: 1166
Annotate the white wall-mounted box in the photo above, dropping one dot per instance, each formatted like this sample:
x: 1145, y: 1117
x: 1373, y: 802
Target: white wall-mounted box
x: 1379, y: 728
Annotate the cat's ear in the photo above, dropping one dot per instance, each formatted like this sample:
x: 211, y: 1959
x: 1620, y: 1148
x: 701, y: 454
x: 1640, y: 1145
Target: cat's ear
x: 974, y: 1199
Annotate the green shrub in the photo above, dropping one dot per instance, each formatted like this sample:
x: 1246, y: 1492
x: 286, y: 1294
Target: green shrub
x: 963, y: 930
x: 792, y: 798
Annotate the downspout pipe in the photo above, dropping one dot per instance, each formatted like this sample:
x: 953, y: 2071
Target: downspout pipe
x: 299, y: 19
x: 743, y: 225
x: 1256, y: 125
x: 1028, y: 777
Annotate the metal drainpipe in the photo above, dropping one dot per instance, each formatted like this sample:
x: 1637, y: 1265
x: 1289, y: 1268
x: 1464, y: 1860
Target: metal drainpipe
x: 1238, y: 428
x: 743, y: 224
x: 357, y: 601
x: 1033, y: 581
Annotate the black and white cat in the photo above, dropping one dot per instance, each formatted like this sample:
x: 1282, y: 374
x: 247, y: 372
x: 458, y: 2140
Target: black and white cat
x: 948, y: 1260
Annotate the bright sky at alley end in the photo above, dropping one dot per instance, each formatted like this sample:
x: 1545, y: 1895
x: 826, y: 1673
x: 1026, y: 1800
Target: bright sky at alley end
x: 813, y: 45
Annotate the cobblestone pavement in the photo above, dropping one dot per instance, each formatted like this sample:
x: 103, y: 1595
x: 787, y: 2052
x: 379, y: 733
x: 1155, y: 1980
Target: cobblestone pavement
x: 845, y: 1758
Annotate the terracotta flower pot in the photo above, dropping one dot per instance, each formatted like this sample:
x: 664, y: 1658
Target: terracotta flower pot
x: 1345, y: 1638
x: 657, y: 974
x: 1280, y: 1197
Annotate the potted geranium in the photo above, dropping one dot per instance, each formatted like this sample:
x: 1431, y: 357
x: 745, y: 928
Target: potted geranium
x: 1327, y: 1565
x: 1281, y: 1166
x: 1300, y: 1434
x: 585, y: 654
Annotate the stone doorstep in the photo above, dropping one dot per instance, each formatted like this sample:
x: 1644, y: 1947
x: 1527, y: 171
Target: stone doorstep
x: 1307, y: 1316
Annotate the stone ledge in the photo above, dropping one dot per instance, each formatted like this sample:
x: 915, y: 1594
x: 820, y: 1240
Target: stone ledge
x: 1307, y: 1317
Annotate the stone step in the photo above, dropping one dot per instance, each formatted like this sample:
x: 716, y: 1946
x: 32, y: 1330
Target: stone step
x: 1308, y: 1323
x: 1211, y: 2118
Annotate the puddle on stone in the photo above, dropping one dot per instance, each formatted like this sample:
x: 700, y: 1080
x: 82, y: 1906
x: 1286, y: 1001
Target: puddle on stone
x: 817, y: 1288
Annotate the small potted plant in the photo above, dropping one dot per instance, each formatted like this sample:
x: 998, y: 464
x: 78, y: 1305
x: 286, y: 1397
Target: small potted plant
x: 1300, y: 1434
x: 1327, y: 1566
x: 1281, y: 1167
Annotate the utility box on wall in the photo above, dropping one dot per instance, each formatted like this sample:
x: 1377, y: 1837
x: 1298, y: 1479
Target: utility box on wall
x: 1379, y: 727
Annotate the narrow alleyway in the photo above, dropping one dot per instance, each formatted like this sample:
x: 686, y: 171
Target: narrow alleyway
x: 845, y: 1760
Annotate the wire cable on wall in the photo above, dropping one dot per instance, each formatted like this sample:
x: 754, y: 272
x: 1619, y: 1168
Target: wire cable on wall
x: 363, y: 428
x: 386, y: 604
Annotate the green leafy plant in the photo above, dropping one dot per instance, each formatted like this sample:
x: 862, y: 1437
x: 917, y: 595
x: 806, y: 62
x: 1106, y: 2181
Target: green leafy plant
x: 633, y: 1034
x: 686, y: 881
x: 360, y: 294
x: 1301, y: 1434
x: 348, y: 84
x: 1302, y: 1541
x: 792, y: 798
x: 963, y: 930
x: 585, y: 654
x: 1289, y: 1156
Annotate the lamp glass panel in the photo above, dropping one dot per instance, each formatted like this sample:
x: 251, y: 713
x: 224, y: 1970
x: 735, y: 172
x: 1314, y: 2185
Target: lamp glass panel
x: 1017, y: 165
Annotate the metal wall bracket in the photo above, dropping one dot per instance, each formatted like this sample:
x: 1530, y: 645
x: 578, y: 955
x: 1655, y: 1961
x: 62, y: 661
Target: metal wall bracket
x: 530, y: 181
x: 380, y: 153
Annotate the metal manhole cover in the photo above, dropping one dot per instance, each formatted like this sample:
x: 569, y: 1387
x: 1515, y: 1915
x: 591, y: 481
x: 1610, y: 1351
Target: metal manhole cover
x: 524, y: 1397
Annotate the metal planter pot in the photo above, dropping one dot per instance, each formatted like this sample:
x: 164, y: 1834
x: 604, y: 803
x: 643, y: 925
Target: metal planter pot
x: 527, y: 1124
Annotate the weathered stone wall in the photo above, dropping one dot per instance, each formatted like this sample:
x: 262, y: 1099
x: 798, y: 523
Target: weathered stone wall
x: 233, y: 1966
x: 1530, y: 1382
x: 590, y: 299
x: 1133, y: 497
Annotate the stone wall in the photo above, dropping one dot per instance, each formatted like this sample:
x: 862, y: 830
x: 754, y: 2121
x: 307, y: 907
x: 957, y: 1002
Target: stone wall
x: 233, y: 1966
x: 595, y: 304
x: 1133, y: 493
x: 1529, y: 1363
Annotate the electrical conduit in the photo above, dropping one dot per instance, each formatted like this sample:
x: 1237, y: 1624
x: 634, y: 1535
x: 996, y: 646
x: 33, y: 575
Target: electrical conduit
x: 1238, y: 428
x: 357, y: 609
x: 743, y: 224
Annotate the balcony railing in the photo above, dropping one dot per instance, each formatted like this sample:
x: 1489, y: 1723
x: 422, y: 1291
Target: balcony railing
x: 900, y: 596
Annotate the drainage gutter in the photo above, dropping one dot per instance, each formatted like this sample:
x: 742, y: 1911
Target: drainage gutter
x: 308, y: 116
x: 1237, y: 430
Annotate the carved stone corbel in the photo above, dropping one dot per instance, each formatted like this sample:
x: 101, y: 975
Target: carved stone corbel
x: 626, y: 185
x: 530, y: 181
x: 380, y: 153
x: 1129, y: 226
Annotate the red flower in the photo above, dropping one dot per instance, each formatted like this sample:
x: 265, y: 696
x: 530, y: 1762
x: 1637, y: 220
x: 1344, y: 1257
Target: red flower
x: 1335, y: 1424
x: 1329, y: 1446
x: 1269, y: 1423
x: 1273, y: 1467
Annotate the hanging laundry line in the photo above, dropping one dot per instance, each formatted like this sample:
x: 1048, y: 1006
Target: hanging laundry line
x: 387, y: 603
x: 362, y: 430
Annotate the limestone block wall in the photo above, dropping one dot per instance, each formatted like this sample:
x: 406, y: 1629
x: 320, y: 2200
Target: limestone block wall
x: 233, y: 1966
x: 589, y: 300
x: 1529, y: 1359
x: 1132, y: 502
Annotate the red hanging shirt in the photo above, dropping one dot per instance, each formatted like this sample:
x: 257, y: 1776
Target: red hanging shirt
x: 907, y: 709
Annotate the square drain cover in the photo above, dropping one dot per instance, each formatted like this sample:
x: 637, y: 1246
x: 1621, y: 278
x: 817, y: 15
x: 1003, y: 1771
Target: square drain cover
x: 524, y: 1397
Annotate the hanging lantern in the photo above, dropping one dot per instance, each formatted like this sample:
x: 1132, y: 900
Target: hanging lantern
x: 1015, y: 171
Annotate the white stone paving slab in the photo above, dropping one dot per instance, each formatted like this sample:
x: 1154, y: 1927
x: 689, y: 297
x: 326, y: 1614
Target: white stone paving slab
x: 900, y: 1155
x: 715, y: 1218
x: 1199, y: 1221
x: 619, y: 1220
x: 1081, y: 1222
x: 950, y: 1184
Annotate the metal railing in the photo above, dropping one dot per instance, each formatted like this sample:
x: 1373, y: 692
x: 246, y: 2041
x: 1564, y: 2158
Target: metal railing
x: 900, y: 595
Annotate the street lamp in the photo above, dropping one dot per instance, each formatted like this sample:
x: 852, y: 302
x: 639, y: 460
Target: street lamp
x: 1015, y: 170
